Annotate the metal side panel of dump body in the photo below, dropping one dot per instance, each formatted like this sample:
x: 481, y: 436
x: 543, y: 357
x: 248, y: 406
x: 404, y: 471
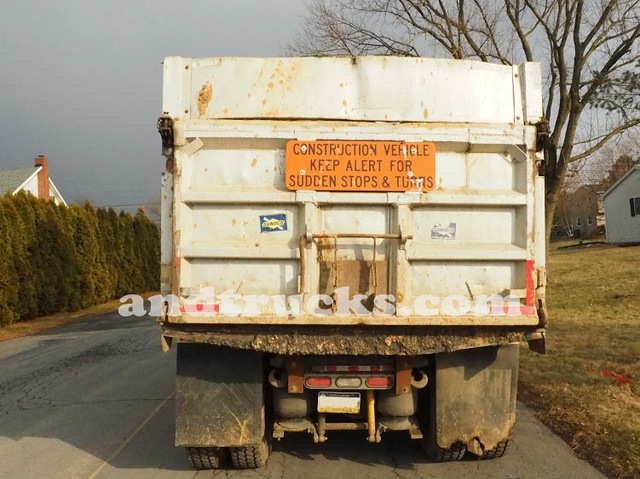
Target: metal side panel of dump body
x: 375, y: 191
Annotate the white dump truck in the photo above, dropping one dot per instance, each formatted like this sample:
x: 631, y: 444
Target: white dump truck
x: 350, y: 244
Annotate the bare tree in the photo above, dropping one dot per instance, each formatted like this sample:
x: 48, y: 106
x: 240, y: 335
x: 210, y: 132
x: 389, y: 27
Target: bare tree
x: 610, y: 163
x: 590, y: 50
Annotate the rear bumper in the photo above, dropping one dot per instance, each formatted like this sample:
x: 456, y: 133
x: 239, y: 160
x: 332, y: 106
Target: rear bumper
x: 524, y: 316
x: 351, y: 340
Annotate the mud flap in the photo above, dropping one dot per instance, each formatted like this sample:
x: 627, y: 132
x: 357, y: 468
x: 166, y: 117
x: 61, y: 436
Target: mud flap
x: 475, y: 397
x: 219, y: 396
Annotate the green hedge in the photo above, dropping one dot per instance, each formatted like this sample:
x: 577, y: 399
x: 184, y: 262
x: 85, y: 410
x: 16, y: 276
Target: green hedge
x: 56, y: 258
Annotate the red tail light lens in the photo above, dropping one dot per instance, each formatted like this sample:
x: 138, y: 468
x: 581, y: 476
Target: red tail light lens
x: 313, y: 382
x: 378, y: 382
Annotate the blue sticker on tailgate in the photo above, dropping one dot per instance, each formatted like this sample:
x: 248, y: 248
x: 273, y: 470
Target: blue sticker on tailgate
x: 270, y: 223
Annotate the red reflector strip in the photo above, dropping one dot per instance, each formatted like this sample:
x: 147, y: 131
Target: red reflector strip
x: 200, y: 308
x: 378, y: 382
x: 351, y: 369
x: 531, y: 284
x: 511, y: 311
x: 317, y: 382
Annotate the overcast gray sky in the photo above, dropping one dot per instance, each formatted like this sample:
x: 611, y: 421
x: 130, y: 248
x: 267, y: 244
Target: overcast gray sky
x: 80, y: 81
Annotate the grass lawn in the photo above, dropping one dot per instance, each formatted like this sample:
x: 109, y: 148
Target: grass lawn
x: 587, y: 388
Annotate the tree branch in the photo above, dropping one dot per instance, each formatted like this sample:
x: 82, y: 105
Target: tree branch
x: 605, y: 138
x: 514, y: 18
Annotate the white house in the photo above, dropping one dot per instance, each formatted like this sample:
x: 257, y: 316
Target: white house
x: 34, y: 179
x: 622, y: 208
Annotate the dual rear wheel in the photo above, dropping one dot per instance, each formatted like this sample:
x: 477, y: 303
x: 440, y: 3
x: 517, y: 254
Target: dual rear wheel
x: 245, y: 457
x: 253, y: 457
x: 457, y: 451
x: 250, y: 457
x: 202, y: 458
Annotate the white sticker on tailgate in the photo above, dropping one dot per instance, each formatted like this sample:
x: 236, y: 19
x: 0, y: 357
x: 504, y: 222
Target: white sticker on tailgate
x: 345, y: 403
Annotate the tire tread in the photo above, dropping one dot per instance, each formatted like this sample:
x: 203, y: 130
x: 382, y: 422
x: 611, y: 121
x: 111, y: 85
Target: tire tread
x: 203, y: 458
x: 453, y: 453
x: 250, y: 457
x: 498, y: 451
x: 440, y: 454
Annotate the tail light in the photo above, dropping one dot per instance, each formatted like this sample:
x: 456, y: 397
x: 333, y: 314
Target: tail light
x: 314, y: 382
x: 379, y: 382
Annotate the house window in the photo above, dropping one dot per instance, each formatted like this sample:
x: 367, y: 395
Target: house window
x: 578, y: 222
x: 589, y: 220
x: 634, y: 203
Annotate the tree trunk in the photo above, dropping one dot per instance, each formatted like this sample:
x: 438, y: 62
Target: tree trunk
x: 555, y: 172
x: 550, y: 203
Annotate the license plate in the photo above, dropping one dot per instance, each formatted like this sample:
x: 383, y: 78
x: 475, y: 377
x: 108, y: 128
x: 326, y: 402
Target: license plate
x: 340, y: 403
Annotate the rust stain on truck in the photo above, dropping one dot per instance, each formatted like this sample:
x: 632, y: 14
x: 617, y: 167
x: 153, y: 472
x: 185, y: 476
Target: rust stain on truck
x: 204, y: 97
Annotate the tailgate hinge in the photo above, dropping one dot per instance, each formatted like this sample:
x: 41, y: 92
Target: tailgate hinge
x: 165, y: 128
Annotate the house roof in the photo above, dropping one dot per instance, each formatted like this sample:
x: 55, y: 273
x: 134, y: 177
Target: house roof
x: 624, y: 177
x: 13, y: 179
x: 53, y: 188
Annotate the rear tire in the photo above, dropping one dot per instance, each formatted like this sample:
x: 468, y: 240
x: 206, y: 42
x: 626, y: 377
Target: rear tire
x: 498, y: 451
x: 202, y: 458
x: 441, y: 454
x: 250, y: 457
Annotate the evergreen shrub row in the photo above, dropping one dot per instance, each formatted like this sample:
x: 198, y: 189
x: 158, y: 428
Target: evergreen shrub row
x: 56, y: 258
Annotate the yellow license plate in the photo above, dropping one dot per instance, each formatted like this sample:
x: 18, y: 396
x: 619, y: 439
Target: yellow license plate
x: 338, y: 403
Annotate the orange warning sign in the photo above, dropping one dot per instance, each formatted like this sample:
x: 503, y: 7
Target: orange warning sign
x: 339, y: 165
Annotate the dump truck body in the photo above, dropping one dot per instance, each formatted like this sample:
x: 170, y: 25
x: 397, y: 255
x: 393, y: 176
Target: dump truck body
x: 373, y: 222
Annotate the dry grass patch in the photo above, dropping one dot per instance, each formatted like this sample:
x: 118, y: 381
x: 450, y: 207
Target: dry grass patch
x: 25, y: 328
x: 587, y: 389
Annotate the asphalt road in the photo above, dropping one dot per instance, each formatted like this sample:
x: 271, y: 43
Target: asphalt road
x: 95, y: 400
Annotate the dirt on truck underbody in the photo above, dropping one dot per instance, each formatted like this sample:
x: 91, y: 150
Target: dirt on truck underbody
x: 300, y: 340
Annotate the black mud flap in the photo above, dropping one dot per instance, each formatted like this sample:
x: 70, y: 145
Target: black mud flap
x: 219, y: 396
x: 475, y: 397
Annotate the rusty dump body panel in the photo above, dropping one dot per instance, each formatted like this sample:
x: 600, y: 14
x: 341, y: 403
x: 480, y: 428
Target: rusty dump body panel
x: 364, y: 206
